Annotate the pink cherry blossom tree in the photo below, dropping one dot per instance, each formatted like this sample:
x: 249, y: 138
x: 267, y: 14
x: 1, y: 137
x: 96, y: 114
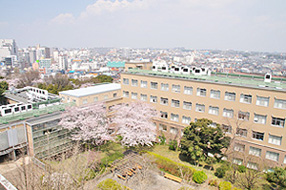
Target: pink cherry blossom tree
x: 88, y: 124
x: 134, y: 123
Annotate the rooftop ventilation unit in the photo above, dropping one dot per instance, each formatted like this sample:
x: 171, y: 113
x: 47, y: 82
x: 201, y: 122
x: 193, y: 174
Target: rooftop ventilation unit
x: 267, y: 77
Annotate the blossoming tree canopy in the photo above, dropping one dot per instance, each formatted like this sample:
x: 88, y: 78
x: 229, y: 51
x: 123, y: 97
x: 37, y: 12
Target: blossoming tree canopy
x: 89, y: 123
x: 134, y: 123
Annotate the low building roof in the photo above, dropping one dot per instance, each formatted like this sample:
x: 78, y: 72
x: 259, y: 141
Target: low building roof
x: 98, y: 89
x: 116, y: 64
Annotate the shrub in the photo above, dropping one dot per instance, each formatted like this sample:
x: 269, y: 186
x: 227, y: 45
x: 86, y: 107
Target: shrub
x: 213, y: 182
x: 225, y: 185
x: 110, y: 184
x: 172, y: 167
x: 220, y: 172
x: 200, y: 177
x: 162, y: 140
x: 173, y: 144
x: 241, y: 169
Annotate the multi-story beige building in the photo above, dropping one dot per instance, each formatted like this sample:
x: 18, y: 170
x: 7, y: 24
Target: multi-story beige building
x: 109, y: 93
x: 249, y: 109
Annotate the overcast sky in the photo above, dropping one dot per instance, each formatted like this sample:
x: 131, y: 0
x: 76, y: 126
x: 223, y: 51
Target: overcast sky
x: 258, y: 25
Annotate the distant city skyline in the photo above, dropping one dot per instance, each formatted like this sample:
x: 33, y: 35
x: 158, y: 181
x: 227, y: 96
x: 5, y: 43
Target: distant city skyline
x: 254, y: 25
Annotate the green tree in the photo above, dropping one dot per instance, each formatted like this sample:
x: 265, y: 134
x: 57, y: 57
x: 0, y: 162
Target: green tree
x: 104, y: 78
x: 199, y: 139
x: 3, y: 87
x: 277, y: 177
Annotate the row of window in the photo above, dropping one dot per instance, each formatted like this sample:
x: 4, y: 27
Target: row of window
x: 272, y: 139
x: 95, y: 99
x: 173, y: 130
x: 216, y: 94
x: 274, y: 156
x: 213, y: 110
x: 175, y: 117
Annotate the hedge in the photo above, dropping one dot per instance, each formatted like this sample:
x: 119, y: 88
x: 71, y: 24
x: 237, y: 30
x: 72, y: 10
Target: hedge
x: 110, y: 184
x: 172, y: 167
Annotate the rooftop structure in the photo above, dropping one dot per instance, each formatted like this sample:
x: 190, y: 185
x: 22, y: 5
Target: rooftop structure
x: 116, y: 64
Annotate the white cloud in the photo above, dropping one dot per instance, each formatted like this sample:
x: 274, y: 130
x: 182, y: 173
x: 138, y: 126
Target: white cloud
x: 64, y: 18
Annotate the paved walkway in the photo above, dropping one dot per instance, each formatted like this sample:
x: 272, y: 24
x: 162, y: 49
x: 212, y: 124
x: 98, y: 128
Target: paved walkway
x: 10, y: 166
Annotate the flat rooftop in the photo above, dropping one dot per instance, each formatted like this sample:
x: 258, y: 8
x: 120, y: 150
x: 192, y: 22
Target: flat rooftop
x: 250, y: 81
x: 98, y: 89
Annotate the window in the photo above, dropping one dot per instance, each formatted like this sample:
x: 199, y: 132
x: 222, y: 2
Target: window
x: 125, y: 81
x: 239, y: 147
x: 134, y: 95
x: 164, y: 101
x: 164, y: 114
x: 259, y: 118
x: 153, y: 99
x: 213, y: 110
x: 134, y: 82
x: 262, y: 101
x: 241, y: 132
x: 257, y: 135
x: 281, y: 104
x: 284, y: 160
x: 105, y: 97
x: 200, y: 107
x: 215, y: 94
x: 125, y: 94
x: 227, y: 113
x: 187, y: 105
x: 272, y: 156
x: 279, y: 122
x: 243, y: 115
x: 186, y: 120
x: 226, y: 128
x: 84, y: 101
x: 175, y: 103
x: 164, y: 86
x: 274, y: 139
x: 245, y: 98
x: 144, y: 97
x: 114, y: 95
x: 188, y: 90
x: 143, y: 84
x: 154, y: 85
x: 162, y: 127
x: 254, y: 151
x: 201, y: 92
x: 176, y: 88
x: 174, y: 130
x: 95, y: 99
x: 237, y: 161
x: 174, y: 117
x: 230, y: 96
x: 252, y: 165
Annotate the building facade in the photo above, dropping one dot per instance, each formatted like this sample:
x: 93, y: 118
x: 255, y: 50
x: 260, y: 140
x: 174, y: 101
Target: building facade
x: 250, y: 110
x: 110, y: 93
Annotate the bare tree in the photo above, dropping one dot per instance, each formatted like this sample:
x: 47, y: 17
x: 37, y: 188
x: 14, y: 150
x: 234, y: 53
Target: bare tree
x: 28, y: 78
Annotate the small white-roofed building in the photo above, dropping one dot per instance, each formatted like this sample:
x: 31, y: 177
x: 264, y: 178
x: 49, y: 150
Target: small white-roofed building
x: 101, y: 92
